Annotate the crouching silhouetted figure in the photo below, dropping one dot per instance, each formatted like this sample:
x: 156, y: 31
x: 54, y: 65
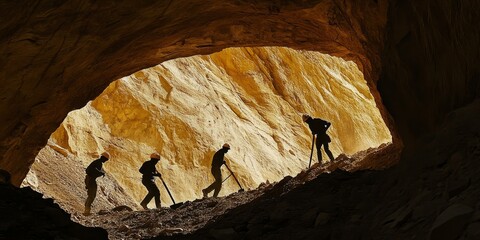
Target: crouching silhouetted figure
x: 94, y: 170
x: 149, y: 172
x: 217, y: 163
x: 319, y: 127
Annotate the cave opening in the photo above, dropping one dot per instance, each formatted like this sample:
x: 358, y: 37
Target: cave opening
x: 186, y: 108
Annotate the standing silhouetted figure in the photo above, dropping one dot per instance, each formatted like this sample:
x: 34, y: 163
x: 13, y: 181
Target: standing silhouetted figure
x: 149, y: 172
x: 94, y: 170
x: 319, y: 127
x: 217, y: 162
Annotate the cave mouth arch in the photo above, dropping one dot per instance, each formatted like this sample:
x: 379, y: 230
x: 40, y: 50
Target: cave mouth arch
x: 187, y: 107
x: 71, y: 51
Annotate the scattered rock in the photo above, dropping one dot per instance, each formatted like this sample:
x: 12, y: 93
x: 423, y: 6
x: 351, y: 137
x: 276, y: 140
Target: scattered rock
x: 309, y: 217
x: 451, y: 222
x: 167, y: 231
x: 473, y: 231
x: 212, y: 204
x: 259, y: 218
x: 322, y: 219
x: 458, y: 186
x: 124, y: 228
x: 398, y: 216
x: 122, y: 208
x: 280, y: 213
x: 325, y: 202
x: 225, y: 233
x: 103, y: 212
x: 254, y: 230
x: 356, y: 218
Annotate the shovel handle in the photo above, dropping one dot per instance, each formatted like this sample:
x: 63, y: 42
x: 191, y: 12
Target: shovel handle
x: 233, y: 175
x: 168, y: 191
x: 311, y: 153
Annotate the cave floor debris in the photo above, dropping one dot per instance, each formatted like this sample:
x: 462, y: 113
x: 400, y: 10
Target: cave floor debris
x: 194, y: 215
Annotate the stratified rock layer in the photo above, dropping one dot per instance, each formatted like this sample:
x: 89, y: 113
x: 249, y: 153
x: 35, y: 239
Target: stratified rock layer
x: 186, y: 108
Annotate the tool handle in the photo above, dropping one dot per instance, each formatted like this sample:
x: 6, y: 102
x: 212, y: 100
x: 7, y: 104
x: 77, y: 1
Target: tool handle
x: 168, y: 191
x: 226, y: 178
x: 233, y: 175
x: 311, y: 153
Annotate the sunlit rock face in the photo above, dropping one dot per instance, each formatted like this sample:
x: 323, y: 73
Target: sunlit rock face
x: 186, y: 108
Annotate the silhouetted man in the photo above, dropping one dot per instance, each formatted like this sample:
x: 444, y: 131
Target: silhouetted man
x: 319, y: 127
x: 94, y: 170
x: 149, y: 172
x: 217, y: 162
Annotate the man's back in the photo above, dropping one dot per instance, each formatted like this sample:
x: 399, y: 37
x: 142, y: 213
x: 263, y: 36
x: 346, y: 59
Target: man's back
x: 148, y: 169
x: 217, y: 160
x: 318, y: 126
x: 95, y: 168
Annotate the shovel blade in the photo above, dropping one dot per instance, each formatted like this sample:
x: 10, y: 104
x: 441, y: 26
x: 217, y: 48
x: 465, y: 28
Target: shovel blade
x: 176, y: 205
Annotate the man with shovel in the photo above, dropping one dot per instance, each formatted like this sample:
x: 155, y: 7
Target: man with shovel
x: 217, y: 162
x: 149, y: 172
x: 93, y: 171
x: 319, y: 127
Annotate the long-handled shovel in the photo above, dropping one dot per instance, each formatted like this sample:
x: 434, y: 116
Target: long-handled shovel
x: 311, y: 153
x: 233, y: 175
x: 175, y: 205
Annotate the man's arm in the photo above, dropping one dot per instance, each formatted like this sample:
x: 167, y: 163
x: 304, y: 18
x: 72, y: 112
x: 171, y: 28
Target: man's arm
x: 156, y: 173
x: 327, y: 125
x: 100, y: 171
x: 98, y: 167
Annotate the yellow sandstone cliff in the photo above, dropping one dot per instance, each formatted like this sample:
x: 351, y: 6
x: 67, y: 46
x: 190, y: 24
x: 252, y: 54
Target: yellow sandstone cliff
x: 186, y: 108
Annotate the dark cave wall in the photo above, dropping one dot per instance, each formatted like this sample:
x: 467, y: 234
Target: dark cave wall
x: 431, y: 62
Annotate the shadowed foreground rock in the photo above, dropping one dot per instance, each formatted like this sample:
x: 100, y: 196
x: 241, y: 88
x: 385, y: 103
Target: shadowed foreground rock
x: 437, y: 200
x: 25, y: 215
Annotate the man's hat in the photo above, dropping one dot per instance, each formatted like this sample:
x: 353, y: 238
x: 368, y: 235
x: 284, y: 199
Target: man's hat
x: 226, y: 145
x: 105, y: 155
x: 155, y: 156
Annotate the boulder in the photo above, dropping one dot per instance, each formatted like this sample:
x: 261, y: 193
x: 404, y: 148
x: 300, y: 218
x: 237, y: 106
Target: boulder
x: 451, y: 222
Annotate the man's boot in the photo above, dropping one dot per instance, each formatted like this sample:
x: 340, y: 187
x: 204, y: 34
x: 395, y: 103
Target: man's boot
x: 87, y: 211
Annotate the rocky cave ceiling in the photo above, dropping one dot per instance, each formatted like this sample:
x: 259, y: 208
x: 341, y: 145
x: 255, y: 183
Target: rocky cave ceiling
x: 58, y: 55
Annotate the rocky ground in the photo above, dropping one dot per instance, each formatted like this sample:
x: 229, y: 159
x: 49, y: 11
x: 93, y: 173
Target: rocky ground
x: 433, y: 193
x: 123, y: 223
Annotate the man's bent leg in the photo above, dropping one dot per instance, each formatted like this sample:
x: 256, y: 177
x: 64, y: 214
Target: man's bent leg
x: 91, y: 185
x: 213, y: 186
x: 328, y: 152
x: 157, y: 200
x: 153, y: 190
x: 149, y: 196
x: 319, y: 152
x: 218, y: 182
x: 146, y: 200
